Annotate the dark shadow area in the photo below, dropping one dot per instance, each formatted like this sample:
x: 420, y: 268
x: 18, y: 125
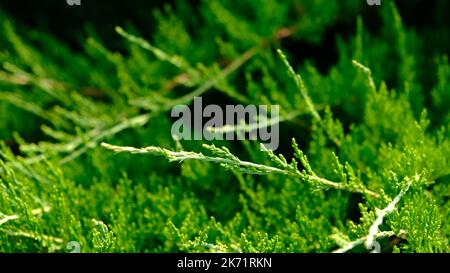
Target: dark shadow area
x: 70, y: 23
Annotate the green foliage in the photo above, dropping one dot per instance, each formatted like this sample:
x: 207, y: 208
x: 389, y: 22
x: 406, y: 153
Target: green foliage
x: 370, y: 139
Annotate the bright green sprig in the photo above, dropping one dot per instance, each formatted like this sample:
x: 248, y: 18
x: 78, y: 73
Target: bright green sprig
x: 386, y: 211
x: 7, y: 218
x: 300, y: 85
x: 229, y: 161
x: 367, y: 73
x: 350, y: 245
x: 177, y: 61
x: 374, y: 232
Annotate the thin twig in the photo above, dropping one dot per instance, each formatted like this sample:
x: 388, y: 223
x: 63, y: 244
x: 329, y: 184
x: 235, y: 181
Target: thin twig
x: 16, y: 216
x: 245, y: 166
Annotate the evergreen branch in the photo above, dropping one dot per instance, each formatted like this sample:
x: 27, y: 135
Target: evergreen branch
x: 34, y: 236
x: 231, y: 162
x: 188, y: 71
x: 350, y: 245
x: 300, y: 85
x: 143, y: 119
x: 172, y: 156
x: 254, y: 126
x: 367, y: 73
x: 38, y: 211
x: 374, y: 232
x: 386, y: 211
x: 27, y: 106
x: 233, y: 66
x: 18, y: 76
x: 79, y: 145
x: 177, y: 61
x: 136, y: 121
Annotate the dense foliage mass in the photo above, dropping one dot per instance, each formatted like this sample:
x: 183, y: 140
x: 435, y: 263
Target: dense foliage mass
x: 87, y: 157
